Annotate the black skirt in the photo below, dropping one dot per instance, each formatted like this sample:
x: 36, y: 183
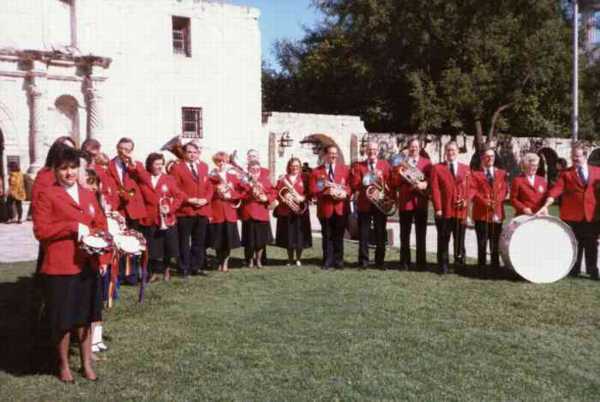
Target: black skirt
x: 224, y: 236
x: 256, y: 234
x: 71, y: 301
x: 294, y: 232
x: 162, y: 244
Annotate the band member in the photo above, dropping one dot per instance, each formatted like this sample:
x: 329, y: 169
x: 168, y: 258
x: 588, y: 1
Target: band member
x: 162, y: 197
x: 377, y: 173
x: 450, y: 196
x: 65, y: 213
x: 329, y: 184
x: 293, y: 221
x: 489, y: 189
x: 257, y: 195
x: 193, y: 216
x: 96, y: 160
x: 124, y: 172
x: 578, y: 185
x: 528, y: 191
x: 412, y: 205
x: 253, y: 155
x: 226, y: 198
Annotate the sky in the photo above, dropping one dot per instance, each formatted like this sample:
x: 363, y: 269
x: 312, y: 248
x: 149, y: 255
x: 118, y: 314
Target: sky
x: 281, y: 19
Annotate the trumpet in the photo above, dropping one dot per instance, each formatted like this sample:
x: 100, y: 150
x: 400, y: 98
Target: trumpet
x: 290, y: 197
x: 223, y: 188
x: 165, y: 204
x: 336, y: 191
x: 378, y: 194
x: 410, y: 173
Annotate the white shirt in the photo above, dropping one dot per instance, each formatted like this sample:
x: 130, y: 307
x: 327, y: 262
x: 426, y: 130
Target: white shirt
x: 584, y: 170
x: 452, y: 165
x: 531, y: 180
x: 332, y: 167
x: 413, y: 160
x: 155, y: 180
x: 293, y: 178
x: 73, y: 191
x: 120, y: 169
x: 490, y: 170
x: 372, y: 163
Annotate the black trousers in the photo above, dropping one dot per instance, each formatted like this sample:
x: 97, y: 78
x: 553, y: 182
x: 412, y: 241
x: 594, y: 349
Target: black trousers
x: 419, y: 217
x: 488, y: 232
x: 586, y: 234
x: 14, y: 206
x: 332, y: 230
x: 379, y: 221
x: 447, y: 227
x: 193, y: 232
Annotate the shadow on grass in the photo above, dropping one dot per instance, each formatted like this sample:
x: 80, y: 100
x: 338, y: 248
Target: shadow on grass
x: 21, y: 347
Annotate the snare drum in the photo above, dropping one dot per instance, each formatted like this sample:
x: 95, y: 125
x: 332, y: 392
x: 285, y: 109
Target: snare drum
x: 541, y: 249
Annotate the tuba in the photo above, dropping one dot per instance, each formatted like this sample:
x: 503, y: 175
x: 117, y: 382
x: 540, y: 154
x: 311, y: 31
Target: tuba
x: 223, y: 188
x: 290, y: 197
x: 378, y: 194
x: 410, y: 173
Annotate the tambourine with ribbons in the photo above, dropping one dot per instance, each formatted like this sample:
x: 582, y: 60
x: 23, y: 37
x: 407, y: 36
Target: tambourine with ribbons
x: 97, y: 243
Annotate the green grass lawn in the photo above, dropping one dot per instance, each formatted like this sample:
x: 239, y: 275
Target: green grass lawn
x: 305, y: 334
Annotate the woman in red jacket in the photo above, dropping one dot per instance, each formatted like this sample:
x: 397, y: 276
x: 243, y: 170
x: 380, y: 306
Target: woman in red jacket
x: 257, y: 194
x: 293, y: 226
x: 162, y: 198
x: 226, y: 199
x: 64, y: 214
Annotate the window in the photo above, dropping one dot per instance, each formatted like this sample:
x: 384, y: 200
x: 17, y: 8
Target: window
x: 181, y: 36
x: 192, y: 122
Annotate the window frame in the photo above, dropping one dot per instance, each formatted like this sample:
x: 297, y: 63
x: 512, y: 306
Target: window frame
x: 198, y: 121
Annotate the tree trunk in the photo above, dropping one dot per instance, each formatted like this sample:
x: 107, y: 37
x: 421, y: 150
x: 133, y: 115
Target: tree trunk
x: 478, y: 135
x: 492, y: 133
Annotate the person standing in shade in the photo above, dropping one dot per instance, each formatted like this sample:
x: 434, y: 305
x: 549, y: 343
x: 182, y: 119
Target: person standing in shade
x: 329, y: 184
x: 191, y: 176
x: 16, y: 193
x: 450, y: 191
x: 578, y: 185
x: 412, y: 205
x: 489, y: 189
x: 376, y: 171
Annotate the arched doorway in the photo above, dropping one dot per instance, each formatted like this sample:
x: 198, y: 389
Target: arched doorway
x: 320, y: 142
x: 547, y: 168
x: 594, y: 158
x: 68, y: 117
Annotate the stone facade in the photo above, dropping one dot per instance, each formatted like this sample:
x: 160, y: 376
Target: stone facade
x: 107, y: 68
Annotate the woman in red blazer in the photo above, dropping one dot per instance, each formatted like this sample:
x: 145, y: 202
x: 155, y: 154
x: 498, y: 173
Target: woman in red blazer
x: 256, y: 197
x: 226, y: 198
x: 64, y: 213
x: 293, y: 228
x: 528, y: 191
x: 162, y: 198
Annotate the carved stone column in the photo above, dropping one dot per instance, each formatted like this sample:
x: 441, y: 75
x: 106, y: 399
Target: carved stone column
x: 35, y: 100
x: 93, y: 104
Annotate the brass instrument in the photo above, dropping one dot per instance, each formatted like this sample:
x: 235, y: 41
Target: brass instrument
x: 290, y: 197
x: 335, y: 190
x: 410, y: 173
x: 165, y: 205
x: 126, y: 193
x: 378, y: 194
x: 223, y: 188
x: 257, y: 189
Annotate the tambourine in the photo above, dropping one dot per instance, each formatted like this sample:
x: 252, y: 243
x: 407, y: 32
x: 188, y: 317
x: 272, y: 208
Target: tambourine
x: 116, y: 223
x: 130, y: 242
x: 97, y: 243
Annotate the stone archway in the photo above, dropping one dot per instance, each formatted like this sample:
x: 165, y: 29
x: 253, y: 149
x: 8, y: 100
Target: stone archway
x: 322, y: 141
x: 594, y: 158
x: 547, y: 168
x: 68, y: 108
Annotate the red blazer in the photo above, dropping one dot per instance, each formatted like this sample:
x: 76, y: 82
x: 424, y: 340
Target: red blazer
x: 129, y: 206
x: 578, y: 203
x: 523, y: 195
x: 326, y: 205
x: 358, y: 171
x: 408, y: 197
x: 253, y: 209
x: 223, y: 210
x: 165, y: 187
x: 282, y: 209
x: 55, y: 224
x: 193, y: 188
x: 482, y: 191
x: 108, y: 188
x: 44, y: 179
x: 446, y: 189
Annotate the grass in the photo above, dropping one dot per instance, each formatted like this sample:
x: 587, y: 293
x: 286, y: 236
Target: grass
x: 305, y: 334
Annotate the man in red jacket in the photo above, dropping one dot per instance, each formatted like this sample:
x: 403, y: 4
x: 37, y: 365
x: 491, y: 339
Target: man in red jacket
x: 578, y: 186
x: 489, y: 189
x: 191, y: 176
x: 124, y: 173
x: 412, y: 206
x: 378, y: 171
x: 450, y: 195
x: 329, y: 185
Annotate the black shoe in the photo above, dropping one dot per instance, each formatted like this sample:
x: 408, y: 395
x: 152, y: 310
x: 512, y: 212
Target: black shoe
x: 443, y: 269
x: 363, y: 266
x: 403, y: 266
x: 325, y: 267
x: 594, y: 276
x: 201, y: 273
x: 339, y: 265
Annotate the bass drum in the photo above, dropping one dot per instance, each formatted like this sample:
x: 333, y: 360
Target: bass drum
x: 541, y: 249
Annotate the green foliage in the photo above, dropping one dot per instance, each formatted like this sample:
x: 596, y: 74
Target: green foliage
x: 436, y: 65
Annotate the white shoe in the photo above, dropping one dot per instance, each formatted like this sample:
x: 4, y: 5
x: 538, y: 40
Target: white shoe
x: 95, y: 348
x: 103, y: 347
x: 298, y: 263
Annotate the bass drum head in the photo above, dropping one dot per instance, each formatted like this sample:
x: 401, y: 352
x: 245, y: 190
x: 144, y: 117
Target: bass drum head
x: 540, y: 249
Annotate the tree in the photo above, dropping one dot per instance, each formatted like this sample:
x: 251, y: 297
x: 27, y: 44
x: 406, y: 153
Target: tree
x: 438, y: 65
